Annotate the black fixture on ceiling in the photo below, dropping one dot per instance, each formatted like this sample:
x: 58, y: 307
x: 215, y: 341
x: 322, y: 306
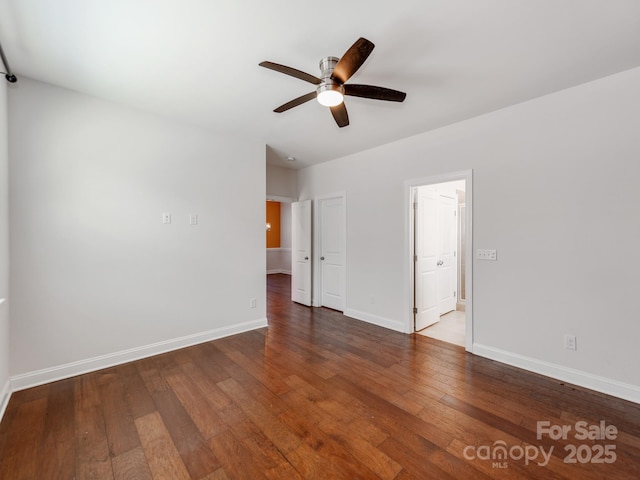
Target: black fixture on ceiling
x: 8, y: 75
x: 331, y: 87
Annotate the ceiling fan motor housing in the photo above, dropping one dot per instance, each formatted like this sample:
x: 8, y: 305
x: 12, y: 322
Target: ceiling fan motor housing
x: 327, y: 65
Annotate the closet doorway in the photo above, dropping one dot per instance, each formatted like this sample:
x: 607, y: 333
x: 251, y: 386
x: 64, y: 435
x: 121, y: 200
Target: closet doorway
x: 439, y: 248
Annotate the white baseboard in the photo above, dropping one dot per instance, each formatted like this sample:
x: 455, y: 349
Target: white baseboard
x: 605, y: 385
x: 396, y: 325
x: 47, y: 375
x: 5, y: 396
x: 278, y: 270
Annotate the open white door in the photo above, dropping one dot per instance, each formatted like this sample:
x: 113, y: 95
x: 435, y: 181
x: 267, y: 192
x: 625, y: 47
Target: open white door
x: 426, y: 258
x: 447, y: 265
x: 332, y: 252
x: 424, y: 251
x: 301, y: 252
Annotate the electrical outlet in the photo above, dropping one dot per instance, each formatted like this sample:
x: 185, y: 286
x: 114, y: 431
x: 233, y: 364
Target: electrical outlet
x: 487, y: 255
x: 570, y: 342
x: 166, y: 217
x: 252, y: 303
x: 193, y: 219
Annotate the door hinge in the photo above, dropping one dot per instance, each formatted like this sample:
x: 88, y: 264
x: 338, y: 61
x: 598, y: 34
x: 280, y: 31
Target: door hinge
x: 454, y: 294
x: 415, y: 205
x: 415, y: 310
x: 415, y: 258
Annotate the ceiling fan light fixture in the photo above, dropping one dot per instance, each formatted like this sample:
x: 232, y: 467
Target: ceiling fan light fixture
x: 330, y: 94
x: 330, y: 85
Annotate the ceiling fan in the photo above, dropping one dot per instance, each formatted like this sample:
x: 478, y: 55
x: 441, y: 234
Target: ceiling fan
x: 331, y: 86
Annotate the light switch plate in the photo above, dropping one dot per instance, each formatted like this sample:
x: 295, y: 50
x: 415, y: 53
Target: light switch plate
x: 487, y: 255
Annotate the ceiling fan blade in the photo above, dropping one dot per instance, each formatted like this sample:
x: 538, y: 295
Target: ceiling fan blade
x: 291, y: 71
x: 352, y: 60
x: 340, y: 115
x: 295, y: 102
x: 376, y: 93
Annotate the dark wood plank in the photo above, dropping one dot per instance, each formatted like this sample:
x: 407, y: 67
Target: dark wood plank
x: 129, y: 465
x: 160, y: 451
x: 343, y: 464
x: 260, y: 372
x: 272, y: 427
x: 197, y: 406
x: 258, y: 390
x: 58, y: 444
x: 194, y: 451
x: 414, y: 460
x: 264, y: 453
x: 236, y: 459
x: 93, y: 459
x: 120, y: 429
x: 20, y: 457
x: 138, y: 397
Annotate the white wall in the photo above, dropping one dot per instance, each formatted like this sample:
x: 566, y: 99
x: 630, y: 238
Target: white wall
x: 285, y: 225
x: 568, y: 256
x: 94, y: 271
x: 4, y: 251
x: 279, y: 260
x: 281, y: 182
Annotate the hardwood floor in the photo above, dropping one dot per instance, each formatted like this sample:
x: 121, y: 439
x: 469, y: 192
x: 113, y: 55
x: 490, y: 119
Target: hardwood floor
x: 316, y: 395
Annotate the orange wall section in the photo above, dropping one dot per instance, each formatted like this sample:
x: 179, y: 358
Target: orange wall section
x: 273, y: 217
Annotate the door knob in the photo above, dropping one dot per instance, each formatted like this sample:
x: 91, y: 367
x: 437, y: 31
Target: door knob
x: 321, y: 258
x: 306, y: 258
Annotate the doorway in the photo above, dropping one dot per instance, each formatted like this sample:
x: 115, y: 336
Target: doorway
x: 439, y: 244
x: 330, y: 246
x: 279, y: 237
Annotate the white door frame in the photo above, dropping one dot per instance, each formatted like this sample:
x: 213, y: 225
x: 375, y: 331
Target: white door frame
x: 277, y: 198
x: 409, y: 185
x: 317, y: 247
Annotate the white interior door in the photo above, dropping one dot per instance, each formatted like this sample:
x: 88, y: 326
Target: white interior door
x: 447, y: 267
x: 301, y: 252
x: 426, y: 257
x: 332, y: 252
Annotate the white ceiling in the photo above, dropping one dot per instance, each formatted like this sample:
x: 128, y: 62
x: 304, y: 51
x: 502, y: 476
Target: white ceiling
x: 197, y: 60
